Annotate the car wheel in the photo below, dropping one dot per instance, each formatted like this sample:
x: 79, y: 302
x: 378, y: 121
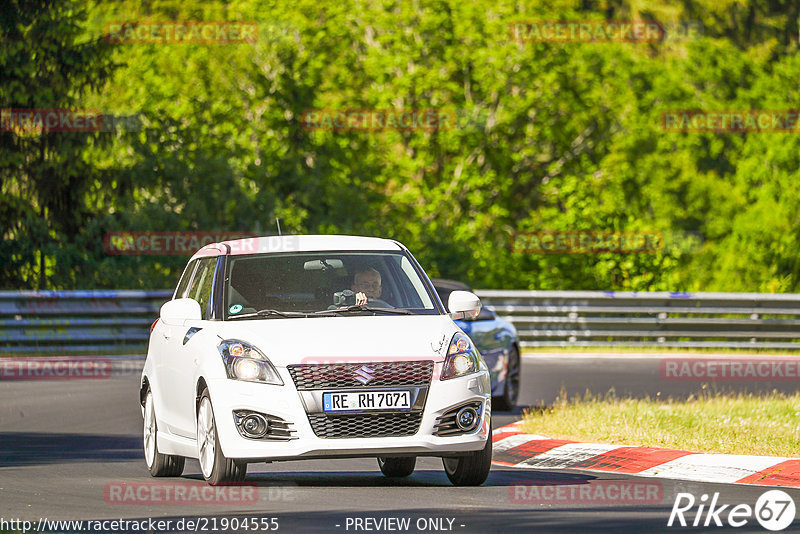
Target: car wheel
x: 508, y: 400
x: 471, y: 469
x: 160, y: 465
x: 397, y: 467
x: 216, y: 468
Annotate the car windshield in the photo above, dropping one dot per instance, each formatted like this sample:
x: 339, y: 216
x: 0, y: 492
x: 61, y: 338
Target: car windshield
x: 324, y: 283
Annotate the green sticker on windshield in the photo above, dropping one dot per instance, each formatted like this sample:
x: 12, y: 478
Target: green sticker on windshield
x: 236, y: 308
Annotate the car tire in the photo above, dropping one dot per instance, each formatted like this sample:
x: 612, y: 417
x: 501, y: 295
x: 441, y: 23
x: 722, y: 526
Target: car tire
x: 397, y: 467
x: 215, y: 467
x: 471, y: 469
x: 159, y: 465
x: 508, y: 400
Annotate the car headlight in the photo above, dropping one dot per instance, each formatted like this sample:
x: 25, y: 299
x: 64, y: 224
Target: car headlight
x: 462, y: 358
x: 245, y: 362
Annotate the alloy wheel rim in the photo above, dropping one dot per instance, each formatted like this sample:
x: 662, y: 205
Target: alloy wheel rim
x: 206, y: 438
x: 149, y: 434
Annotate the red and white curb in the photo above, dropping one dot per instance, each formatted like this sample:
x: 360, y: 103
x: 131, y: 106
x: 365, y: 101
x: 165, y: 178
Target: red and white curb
x: 514, y: 448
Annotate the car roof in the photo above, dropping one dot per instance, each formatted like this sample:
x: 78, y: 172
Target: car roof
x: 297, y: 243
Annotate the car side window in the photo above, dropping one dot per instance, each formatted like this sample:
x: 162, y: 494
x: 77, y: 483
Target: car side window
x: 201, y: 285
x: 419, y: 297
x: 184, y: 281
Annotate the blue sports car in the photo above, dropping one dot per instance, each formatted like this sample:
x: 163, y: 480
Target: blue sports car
x: 497, y: 342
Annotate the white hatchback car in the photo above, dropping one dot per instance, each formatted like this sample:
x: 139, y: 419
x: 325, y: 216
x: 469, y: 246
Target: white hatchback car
x: 284, y: 348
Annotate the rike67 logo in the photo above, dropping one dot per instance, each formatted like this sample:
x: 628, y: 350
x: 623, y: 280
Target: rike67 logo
x: 774, y: 510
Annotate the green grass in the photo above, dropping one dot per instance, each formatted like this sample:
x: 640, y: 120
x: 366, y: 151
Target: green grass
x: 764, y: 425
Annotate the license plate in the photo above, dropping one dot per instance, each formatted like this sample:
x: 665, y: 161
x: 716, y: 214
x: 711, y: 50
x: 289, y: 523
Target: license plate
x: 366, y: 400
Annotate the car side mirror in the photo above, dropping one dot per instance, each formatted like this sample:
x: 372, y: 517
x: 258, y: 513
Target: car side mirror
x: 177, y: 312
x: 463, y: 305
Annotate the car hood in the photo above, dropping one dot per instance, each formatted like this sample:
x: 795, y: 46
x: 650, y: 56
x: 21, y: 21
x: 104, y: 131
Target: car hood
x: 346, y: 339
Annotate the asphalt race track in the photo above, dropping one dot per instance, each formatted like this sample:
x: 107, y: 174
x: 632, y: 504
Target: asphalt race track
x: 66, y: 444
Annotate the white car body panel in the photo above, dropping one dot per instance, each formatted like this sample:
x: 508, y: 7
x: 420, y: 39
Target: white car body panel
x: 175, y: 366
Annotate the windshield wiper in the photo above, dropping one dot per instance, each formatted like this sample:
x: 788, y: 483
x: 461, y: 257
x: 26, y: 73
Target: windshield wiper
x: 265, y: 314
x: 354, y: 308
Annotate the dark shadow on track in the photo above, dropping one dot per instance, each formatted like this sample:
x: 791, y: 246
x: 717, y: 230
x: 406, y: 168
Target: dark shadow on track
x: 420, y: 478
x: 31, y: 448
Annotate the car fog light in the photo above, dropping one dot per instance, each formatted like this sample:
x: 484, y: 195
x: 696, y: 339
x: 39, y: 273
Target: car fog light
x: 255, y: 425
x: 467, y: 418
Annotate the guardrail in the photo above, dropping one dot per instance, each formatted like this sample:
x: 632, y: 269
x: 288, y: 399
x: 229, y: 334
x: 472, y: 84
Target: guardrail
x: 114, y: 322
x: 609, y: 318
x: 77, y: 322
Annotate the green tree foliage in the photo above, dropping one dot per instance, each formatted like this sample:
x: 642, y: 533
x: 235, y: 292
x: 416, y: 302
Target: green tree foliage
x: 545, y: 136
x: 48, y: 191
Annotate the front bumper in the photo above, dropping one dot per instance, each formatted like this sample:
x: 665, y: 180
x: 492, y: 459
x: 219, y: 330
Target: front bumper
x: 284, y: 402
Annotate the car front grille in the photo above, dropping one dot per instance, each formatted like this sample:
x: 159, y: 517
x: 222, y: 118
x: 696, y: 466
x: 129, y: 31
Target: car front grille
x: 351, y: 375
x: 365, y: 425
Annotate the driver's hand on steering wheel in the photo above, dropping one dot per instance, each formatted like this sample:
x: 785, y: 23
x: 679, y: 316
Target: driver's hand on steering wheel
x: 361, y: 299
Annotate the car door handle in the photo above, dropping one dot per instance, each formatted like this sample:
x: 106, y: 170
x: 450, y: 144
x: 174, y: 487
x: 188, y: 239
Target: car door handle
x: 167, y: 334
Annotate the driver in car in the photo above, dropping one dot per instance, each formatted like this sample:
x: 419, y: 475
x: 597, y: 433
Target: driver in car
x: 366, y: 285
